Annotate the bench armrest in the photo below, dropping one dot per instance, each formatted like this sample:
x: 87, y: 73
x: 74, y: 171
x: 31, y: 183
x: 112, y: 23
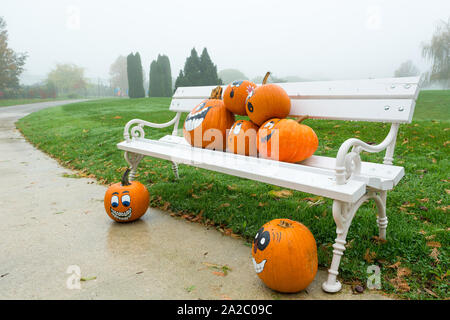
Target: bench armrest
x: 349, y: 162
x: 135, y: 128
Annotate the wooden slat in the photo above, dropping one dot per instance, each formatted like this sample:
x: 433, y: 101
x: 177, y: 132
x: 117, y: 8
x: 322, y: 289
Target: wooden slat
x: 375, y: 175
x: 301, y: 178
x: 388, y: 88
x: 376, y: 110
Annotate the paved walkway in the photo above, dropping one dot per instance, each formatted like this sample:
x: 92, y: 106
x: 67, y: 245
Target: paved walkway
x: 51, y: 224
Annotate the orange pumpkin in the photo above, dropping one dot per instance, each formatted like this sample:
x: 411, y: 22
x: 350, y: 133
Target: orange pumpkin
x: 242, y: 138
x: 286, y: 140
x: 126, y: 201
x: 206, y: 125
x: 285, y: 255
x: 235, y: 95
x: 266, y: 102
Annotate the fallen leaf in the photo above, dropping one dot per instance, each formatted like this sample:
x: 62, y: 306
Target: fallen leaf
x: 219, y: 273
x: 261, y: 204
x: 431, y: 292
x: 434, y: 244
x: 195, y: 196
x: 377, y: 239
x: 424, y: 200
x: 88, y: 278
x: 401, y: 272
x: 400, y: 284
x: 233, y: 187
x: 369, y: 255
x: 434, y: 254
x: 281, y: 193
x: 224, y: 205
x: 117, y: 117
x: 395, y: 265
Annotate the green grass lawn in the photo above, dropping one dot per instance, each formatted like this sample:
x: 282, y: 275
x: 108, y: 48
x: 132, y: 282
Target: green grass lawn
x: 14, y: 102
x: 414, y: 261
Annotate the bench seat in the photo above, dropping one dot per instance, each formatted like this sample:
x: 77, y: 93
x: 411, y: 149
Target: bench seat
x: 315, y: 175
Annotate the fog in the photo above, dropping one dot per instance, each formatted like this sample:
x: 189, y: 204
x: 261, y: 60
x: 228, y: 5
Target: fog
x: 310, y: 39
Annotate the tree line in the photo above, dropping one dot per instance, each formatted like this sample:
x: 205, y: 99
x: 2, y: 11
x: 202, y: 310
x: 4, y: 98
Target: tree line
x: 197, y: 71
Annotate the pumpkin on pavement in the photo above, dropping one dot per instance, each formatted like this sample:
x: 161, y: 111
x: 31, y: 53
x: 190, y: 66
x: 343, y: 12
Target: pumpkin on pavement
x: 286, y: 140
x: 242, y: 138
x: 126, y: 201
x: 206, y: 125
x: 284, y: 255
x: 266, y: 102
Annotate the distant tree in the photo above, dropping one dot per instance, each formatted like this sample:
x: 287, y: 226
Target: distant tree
x: 118, y: 73
x: 135, y: 76
x: 438, y: 52
x: 229, y: 75
x: 67, y: 79
x: 160, y: 84
x: 11, y: 63
x: 198, y: 71
x: 407, y: 69
x: 208, y: 70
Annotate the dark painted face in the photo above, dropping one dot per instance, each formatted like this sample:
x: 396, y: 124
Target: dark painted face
x: 196, y: 116
x: 261, y: 240
x: 249, y: 105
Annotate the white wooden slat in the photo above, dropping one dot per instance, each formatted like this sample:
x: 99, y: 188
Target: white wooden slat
x: 375, y: 175
x: 388, y: 88
x: 377, y: 110
x: 301, y: 178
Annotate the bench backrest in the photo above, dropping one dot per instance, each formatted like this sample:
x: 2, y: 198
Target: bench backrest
x: 376, y: 100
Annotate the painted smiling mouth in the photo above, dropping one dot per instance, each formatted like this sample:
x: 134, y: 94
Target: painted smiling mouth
x: 194, y: 120
x: 259, y: 267
x: 121, y: 215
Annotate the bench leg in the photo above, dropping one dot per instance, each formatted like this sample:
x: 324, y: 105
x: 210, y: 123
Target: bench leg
x: 175, y: 170
x: 133, y: 160
x: 382, y: 220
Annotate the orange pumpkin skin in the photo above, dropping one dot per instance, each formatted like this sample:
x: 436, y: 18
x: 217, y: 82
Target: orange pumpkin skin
x: 235, y: 95
x: 285, y: 255
x: 242, y: 138
x: 206, y: 122
x: 266, y: 102
x: 126, y: 201
x: 286, y: 140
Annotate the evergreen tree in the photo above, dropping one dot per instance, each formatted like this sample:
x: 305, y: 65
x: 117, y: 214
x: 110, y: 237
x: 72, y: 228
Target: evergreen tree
x: 160, y: 77
x: 208, y: 70
x: 135, y: 76
x: 198, y: 71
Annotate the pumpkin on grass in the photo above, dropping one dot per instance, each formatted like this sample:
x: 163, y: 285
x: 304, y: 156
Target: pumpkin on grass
x: 206, y: 125
x: 242, y: 138
x: 235, y: 95
x: 284, y: 255
x: 286, y: 140
x: 266, y: 102
x: 126, y: 201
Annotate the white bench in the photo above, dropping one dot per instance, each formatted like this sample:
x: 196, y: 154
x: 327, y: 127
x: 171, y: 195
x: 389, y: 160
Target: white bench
x: 345, y: 179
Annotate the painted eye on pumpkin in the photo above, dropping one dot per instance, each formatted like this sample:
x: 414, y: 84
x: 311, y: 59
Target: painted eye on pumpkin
x: 263, y: 240
x: 126, y: 200
x: 115, y: 201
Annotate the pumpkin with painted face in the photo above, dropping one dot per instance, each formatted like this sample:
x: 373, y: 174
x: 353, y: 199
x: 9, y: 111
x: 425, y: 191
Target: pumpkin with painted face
x: 235, y: 95
x: 206, y: 125
x: 126, y: 201
x: 286, y: 140
x: 266, y: 102
x: 284, y: 255
x: 242, y: 138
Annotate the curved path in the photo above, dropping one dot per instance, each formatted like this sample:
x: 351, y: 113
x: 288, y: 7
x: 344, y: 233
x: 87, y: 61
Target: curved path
x: 53, y: 227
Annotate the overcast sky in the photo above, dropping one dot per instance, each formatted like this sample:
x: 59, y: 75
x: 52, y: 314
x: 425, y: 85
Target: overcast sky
x: 346, y: 39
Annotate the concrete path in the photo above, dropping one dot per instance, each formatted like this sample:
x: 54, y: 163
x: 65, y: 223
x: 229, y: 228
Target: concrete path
x: 53, y: 228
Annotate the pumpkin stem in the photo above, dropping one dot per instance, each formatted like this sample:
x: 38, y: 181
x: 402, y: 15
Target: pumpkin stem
x: 285, y: 224
x: 266, y: 77
x: 125, y: 181
x: 216, y: 93
x: 301, y: 118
